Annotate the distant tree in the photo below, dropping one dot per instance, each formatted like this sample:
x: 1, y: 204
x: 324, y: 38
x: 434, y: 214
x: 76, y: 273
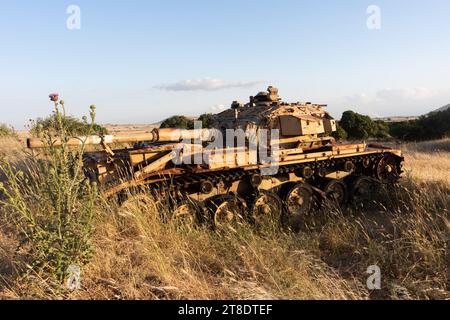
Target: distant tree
x: 382, y: 130
x: 407, y: 130
x: 340, y: 133
x: 435, y: 125
x: 179, y: 122
x: 206, y: 119
x: 358, y: 126
x: 74, y: 126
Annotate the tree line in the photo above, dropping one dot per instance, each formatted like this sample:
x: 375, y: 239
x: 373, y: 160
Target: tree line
x: 351, y: 126
x: 355, y: 126
x: 435, y: 125
x: 183, y: 122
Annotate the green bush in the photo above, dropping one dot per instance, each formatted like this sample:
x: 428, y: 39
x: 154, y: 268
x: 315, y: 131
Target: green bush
x: 382, y: 130
x: 182, y: 122
x: 360, y: 127
x: 433, y: 126
x: 206, y: 119
x: 73, y: 126
x: 179, y: 122
x: 6, y: 131
x: 357, y: 126
x: 408, y: 131
x: 51, y: 202
x: 340, y: 133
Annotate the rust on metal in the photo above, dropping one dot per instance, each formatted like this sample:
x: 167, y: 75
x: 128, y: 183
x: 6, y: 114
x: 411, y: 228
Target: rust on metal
x: 188, y: 162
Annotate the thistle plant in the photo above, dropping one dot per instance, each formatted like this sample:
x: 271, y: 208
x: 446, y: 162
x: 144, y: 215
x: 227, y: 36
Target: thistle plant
x: 51, y: 202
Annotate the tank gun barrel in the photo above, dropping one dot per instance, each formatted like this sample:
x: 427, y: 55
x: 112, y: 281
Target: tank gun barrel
x: 157, y: 135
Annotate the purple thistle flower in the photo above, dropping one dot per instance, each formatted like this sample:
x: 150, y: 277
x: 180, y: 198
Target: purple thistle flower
x: 54, y: 96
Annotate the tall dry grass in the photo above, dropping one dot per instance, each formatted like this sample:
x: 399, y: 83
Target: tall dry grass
x: 429, y: 161
x: 139, y: 255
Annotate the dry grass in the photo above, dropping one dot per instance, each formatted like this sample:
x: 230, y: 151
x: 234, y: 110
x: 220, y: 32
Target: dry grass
x: 138, y: 256
x: 12, y: 148
x: 429, y: 161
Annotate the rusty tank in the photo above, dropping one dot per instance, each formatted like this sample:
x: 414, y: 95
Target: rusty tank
x: 265, y: 159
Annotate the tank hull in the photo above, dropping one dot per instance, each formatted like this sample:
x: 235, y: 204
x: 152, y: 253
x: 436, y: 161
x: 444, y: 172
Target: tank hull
x: 341, y: 174
x: 155, y: 167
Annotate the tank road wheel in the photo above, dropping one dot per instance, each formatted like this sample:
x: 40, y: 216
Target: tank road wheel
x: 386, y: 170
x: 186, y: 212
x: 298, y: 203
x: 266, y: 209
x: 336, y: 192
x: 227, y: 211
x: 362, y: 188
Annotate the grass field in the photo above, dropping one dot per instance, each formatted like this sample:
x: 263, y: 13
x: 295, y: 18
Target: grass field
x: 405, y: 231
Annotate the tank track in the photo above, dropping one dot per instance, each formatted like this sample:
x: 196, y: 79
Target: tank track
x: 362, y: 167
x: 296, y: 190
x: 287, y: 202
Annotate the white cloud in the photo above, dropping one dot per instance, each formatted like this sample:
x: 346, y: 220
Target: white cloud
x: 391, y: 102
x: 405, y: 94
x: 391, y: 95
x: 358, y: 99
x: 207, y: 84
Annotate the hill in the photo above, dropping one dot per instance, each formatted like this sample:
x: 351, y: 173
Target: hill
x: 396, y: 119
x: 444, y: 108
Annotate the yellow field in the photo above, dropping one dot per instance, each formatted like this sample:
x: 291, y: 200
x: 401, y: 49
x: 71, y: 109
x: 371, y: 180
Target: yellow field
x: 137, y: 255
x: 429, y: 161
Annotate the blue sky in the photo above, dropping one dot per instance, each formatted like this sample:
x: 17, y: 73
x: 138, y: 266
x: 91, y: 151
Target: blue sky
x: 142, y: 61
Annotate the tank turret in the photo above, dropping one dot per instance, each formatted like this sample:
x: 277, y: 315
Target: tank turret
x: 306, y: 124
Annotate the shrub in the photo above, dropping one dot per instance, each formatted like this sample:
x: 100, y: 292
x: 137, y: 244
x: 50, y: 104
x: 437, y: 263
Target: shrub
x: 6, y: 131
x: 362, y: 127
x: 51, y: 202
x: 382, y: 130
x: 436, y: 125
x: 357, y: 126
x: 179, y: 122
x: 340, y: 133
x: 73, y: 126
x: 408, y: 131
x: 182, y: 122
x: 206, y: 119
